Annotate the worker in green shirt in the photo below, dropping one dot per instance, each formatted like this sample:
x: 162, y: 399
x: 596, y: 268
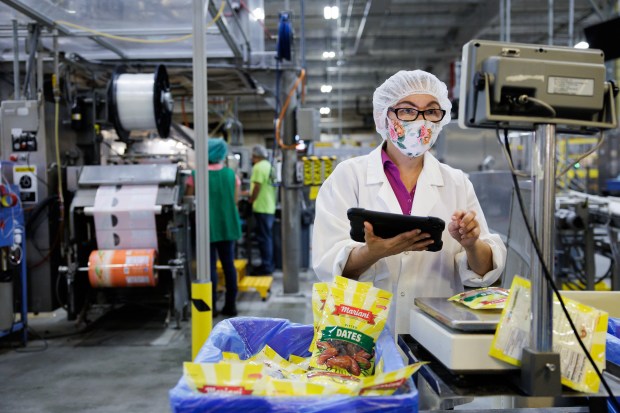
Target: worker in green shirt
x: 263, y: 200
x: 224, y: 223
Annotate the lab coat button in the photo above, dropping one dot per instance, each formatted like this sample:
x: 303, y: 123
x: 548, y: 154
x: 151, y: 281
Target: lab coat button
x: 406, y: 252
x: 402, y: 293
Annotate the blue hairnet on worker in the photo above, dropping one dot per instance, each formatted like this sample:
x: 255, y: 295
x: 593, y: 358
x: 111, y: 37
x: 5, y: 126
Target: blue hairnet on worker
x: 218, y: 149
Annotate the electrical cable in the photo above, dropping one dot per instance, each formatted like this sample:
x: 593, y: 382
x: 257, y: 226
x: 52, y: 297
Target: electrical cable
x: 524, y: 99
x: 549, y: 280
x: 509, y: 158
x: 585, y: 154
x: 301, y: 78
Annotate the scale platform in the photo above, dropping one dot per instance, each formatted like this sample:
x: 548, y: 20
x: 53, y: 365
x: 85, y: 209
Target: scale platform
x: 459, y: 337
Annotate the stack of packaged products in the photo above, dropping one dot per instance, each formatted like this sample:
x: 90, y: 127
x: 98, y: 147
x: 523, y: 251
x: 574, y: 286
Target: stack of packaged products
x: 343, y: 357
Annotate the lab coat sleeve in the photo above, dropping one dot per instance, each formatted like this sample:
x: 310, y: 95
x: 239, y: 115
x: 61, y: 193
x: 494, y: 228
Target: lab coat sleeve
x: 468, y: 277
x: 331, y: 241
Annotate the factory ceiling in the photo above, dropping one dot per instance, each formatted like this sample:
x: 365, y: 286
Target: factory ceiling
x: 371, y: 40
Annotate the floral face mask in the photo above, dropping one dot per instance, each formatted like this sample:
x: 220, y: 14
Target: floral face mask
x: 414, y: 138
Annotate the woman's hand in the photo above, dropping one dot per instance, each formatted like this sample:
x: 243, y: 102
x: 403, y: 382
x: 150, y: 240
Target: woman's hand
x: 414, y: 240
x: 464, y: 228
x: 364, y: 256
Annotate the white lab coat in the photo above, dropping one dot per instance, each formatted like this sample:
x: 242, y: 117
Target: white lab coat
x: 440, y: 191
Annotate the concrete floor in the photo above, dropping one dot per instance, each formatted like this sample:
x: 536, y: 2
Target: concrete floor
x: 125, y: 361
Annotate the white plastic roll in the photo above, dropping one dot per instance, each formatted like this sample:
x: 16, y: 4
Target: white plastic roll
x: 134, y: 101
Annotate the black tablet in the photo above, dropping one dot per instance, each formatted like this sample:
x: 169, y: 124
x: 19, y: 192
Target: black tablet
x: 387, y: 225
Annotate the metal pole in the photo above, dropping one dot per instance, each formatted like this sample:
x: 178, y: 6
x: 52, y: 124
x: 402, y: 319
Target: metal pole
x: 571, y: 23
x: 502, y: 21
x: 543, y: 206
x: 201, y: 294
x: 302, y: 40
x: 201, y: 141
x: 15, y: 61
x: 291, y: 207
x: 540, y: 366
x: 508, y: 11
x: 550, y: 22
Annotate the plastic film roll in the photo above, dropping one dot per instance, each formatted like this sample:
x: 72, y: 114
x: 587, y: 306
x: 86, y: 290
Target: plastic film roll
x: 134, y: 99
x: 140, y: 101
x: 122, y: 268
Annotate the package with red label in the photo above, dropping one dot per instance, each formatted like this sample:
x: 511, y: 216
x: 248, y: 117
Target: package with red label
x: 353, y: 317
x: 225, y: 378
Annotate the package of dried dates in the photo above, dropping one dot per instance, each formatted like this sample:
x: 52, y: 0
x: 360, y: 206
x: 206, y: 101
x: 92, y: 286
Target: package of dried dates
x: 353, y: 316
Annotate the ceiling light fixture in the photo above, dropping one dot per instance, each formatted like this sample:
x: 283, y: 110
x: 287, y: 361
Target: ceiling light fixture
x: 326, y: 88
x: 324, y: 110
x: 329, y: 55
x: 257, y: 14
x: 331, y: 13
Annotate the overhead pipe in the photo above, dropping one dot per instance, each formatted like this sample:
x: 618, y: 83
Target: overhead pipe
x: 349, y: 13
x: 245, y: 38
x: 360, y: 30
x: 222, y: 25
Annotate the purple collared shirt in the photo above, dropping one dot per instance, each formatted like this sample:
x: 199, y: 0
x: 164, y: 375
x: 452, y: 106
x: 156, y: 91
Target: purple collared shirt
x: 404, y: 197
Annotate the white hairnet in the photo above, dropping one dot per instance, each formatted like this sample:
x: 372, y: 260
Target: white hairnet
x: 403, y: 84
x: 260, y: 151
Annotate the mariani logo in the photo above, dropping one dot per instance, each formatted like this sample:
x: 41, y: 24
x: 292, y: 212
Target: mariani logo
x: 360, y: 313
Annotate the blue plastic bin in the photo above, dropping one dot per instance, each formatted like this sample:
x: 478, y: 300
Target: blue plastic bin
x: 248, y: 335
x: 612, y: 350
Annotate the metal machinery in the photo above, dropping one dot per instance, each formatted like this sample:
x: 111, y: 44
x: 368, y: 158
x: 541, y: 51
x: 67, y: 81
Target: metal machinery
x: 128, y: 223
x: 172, y: 231
x: 75, y: 122
x: 508, y: 86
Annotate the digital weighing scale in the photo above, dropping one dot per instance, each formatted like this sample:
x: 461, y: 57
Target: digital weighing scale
x: 459, y: 337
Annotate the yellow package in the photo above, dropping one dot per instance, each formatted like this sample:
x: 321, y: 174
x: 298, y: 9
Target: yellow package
x: 301, y: 362
x: 487, y: 298
x: 331, y: 378
x: 227, y: 356
x: 223, y: 377
x: 513, y: 334
x: 277, y: 367
x: 353, y: 317
x: 319, y: 295
x: 385, y: 384
x: 279, y: 387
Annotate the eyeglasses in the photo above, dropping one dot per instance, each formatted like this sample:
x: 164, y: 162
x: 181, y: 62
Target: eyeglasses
x: 411, y: 114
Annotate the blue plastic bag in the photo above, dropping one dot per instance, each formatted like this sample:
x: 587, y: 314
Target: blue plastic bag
x: 613, y: 326
x: 248, y: 335
x: 612, y: 349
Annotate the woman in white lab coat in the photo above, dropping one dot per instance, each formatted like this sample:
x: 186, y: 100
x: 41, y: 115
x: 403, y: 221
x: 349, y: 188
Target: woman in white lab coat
x: 401, y: 176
